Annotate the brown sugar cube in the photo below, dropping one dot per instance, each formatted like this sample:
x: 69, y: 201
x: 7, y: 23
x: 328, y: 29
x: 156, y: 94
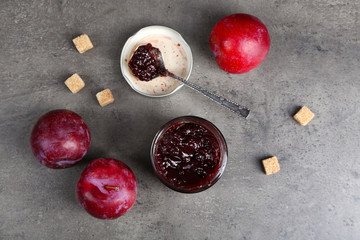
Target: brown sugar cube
x: 83, y: 43
x: 304, y: 116
x: 75, y: 83
x: 105, y: 97
x: 271, y: 165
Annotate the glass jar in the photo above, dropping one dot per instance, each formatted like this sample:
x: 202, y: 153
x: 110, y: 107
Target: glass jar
x: 189, y: 154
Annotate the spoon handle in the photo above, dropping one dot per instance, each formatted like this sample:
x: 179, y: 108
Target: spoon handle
x: 234, y: 107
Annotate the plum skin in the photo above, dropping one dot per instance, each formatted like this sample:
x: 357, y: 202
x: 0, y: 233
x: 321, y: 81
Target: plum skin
x: 240, y: 43
x: 107, y: 188
x: 60, y: 139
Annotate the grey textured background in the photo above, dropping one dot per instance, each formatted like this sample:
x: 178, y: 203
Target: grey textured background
x: 314, y: 61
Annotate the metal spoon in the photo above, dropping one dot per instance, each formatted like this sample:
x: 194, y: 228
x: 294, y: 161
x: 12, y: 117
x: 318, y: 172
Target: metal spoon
x: 234, y: 107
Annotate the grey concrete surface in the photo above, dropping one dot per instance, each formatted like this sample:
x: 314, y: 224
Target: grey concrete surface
x: 314, y: 61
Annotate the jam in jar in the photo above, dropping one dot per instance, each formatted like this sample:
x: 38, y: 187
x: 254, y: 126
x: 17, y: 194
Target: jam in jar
x: 189, y: 154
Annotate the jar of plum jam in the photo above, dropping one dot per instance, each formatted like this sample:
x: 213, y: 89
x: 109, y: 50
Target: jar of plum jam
x: 189, y: 154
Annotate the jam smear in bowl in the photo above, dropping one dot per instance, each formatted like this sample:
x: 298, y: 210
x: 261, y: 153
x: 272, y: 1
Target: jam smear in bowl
x: 189, y: 154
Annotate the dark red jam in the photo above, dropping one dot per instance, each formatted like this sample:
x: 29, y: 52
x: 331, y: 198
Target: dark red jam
x: 187, y: 155
x: 144, y: 65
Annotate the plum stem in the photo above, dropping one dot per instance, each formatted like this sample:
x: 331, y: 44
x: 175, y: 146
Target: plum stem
x: 110, y: 187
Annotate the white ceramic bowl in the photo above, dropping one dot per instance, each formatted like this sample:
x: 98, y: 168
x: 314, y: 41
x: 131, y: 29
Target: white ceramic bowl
x: 138, y: 39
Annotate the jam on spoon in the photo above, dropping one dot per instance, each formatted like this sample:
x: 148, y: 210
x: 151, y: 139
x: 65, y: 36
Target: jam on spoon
x: 144, y: 63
